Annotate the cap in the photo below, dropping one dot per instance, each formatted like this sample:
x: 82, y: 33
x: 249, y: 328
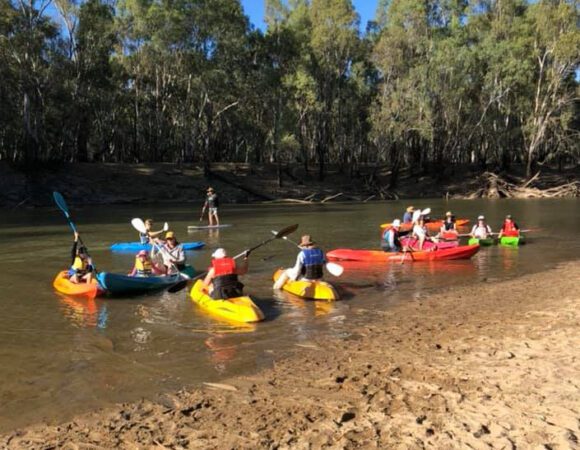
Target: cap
x: 306, y: 240
x: 448, y: 213
x: 509, y: 216
x: 142, y: 253
x: 410, y: 209
x: 170, y: 235
x: 219, y: 253
x: 480, y: 218
x: 396, y: 223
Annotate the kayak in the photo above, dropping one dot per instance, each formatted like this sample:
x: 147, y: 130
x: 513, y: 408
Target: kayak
x: 314, y: 290
x: 118, y: 284
x: 433, y: 225
x: 189, y: 271
x: 137, y: 246
x: 512, y: 241
x: 237, y: 309
x: 450, y: 235
x: 378, y: 256
x: 63, y: 285
x: 483, y: 242
x: 207, y: 227
x: 428, y: 245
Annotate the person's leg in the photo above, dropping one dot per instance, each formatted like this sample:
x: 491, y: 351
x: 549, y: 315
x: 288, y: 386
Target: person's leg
x: 74, y: 279
x: 210, y: 217
x: 421, y: 241
x: 217, y: 219
x: 280, y: 282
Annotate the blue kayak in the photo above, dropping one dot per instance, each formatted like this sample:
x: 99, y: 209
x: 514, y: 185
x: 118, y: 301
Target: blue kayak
x: 137, y: 246
x: 117, y: 284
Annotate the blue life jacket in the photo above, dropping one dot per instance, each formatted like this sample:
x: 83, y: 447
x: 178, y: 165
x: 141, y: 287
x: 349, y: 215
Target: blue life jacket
x: 313, y: 263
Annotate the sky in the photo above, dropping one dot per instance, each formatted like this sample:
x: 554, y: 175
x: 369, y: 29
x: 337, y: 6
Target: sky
x: 255, y: 10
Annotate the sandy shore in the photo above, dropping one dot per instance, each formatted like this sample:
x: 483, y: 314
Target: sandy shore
x: 488, y: 366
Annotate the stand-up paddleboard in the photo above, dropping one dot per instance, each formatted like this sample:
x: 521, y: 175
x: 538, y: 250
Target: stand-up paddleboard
x: 207, y: 227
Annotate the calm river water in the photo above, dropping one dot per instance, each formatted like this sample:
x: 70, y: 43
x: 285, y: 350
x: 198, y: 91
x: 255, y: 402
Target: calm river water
x: 61, y: 356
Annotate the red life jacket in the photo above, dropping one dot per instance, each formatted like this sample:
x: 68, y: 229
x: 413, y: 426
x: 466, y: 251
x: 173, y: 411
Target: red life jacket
x: 223, y: 266
x: 509, y: 228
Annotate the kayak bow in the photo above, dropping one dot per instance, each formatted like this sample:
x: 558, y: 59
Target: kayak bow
x: 313, y: 290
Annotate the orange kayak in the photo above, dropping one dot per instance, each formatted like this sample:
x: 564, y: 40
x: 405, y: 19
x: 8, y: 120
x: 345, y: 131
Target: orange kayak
x: 63, y: 285
x: 378, y: 256
x: 433, y: 225
x: 313, y: 290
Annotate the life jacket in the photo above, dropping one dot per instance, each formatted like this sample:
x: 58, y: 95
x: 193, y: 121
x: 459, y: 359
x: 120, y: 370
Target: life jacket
x: 143, y: 268
x: 80, y: 266
x: 449, y: 225
x: 509, y: 228
x: 481, y: 231
x: 313, y: 263
x: 225, y: 281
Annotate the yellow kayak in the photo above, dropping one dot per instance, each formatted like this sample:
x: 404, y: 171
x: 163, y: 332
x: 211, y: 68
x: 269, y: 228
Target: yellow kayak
x: 238, y: 309
x: 314, y: 290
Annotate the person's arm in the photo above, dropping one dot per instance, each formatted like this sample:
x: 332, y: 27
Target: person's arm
x: 74, y: 249
x: 242, y: 269
x: 179, y: 255
x: 208, y: 277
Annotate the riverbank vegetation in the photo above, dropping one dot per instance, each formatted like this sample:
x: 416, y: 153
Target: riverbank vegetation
x: 427, y: 85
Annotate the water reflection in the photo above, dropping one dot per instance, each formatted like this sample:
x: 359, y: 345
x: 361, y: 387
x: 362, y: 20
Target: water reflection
x: 84, y: 312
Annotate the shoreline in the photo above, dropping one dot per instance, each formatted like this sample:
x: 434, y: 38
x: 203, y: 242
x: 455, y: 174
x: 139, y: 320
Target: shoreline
x: 492, y: 364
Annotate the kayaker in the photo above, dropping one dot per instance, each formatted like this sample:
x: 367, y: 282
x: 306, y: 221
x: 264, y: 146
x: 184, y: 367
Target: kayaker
x: 309, y: 263
x: 82, y: 269
x: 420, y: 231
x: 391, y: 237
x: 408, y: 216
x: 144, y: 237
x: 509, y: 228
x: 222, y: 276
x: 144, y: 266
x: 449, y: 222
x: 172, y: 253
x: 481, y: 230
x: 211, y: 204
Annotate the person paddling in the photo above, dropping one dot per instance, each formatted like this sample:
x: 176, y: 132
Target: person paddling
x: 391, y: 237
x: 222, y: 277
x: 420, y: 231
x: 509, y: 228
x: 408, y: 216
x: 144, y: 266
x: 309, y: 263
x: 448, y: 229
x: 82, y: 268
x: 144, y: 237
x: 481, y: 230
x: 171, y: 252
x: 211, y: 204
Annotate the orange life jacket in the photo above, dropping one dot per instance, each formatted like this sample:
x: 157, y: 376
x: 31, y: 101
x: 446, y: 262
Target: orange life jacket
x: 509, y: 228
x: 223, y: 266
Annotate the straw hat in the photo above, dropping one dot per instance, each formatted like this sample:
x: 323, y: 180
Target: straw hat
x: 170, y: 235
x: 410, y: 209
x: 306, y: 241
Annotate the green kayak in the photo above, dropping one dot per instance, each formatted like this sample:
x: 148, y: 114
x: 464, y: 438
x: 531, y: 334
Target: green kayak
x: 483, y: 242
x: 512, y: 241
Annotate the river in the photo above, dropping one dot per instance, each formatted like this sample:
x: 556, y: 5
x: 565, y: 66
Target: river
x: 60, y: 356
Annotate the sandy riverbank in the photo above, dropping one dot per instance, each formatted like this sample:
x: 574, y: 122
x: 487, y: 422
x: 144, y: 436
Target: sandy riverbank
x: 493, y: 365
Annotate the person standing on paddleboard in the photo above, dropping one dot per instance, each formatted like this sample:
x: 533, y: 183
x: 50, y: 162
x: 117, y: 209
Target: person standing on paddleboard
x: 309, y: 263
x: 211, y: 204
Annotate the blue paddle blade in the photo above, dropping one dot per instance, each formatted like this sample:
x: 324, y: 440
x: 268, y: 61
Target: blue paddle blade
x: 59, y: 200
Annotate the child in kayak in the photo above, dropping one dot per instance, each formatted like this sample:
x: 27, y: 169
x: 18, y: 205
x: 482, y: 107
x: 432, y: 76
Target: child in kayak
x: 82, y: 269
x: 309, y: 263
x: 509, y: 228
x: 222, y: 277
x: 391, y: 237
x: 144, y: 266
x: 481, y: 230
x: 144, y: 237
x: 408, y: 216
x: 172, y: 253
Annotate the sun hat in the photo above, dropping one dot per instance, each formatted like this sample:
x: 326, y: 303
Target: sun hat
x: 219, y: 253
x: 306, y: 240
x: 480, y: 218
x: 396, y: 223
x: 170, y: 235
x: 410, y: 208
x: 448, y: 213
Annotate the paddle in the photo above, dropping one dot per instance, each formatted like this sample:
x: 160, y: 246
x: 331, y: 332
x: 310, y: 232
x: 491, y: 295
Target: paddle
x: 61, y: 203
x: 139, y: 225
x: 334, y: 269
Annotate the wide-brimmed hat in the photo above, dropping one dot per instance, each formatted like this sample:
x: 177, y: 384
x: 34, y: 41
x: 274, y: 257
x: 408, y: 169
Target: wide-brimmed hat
x: 396, y: 223
x: 306, y: 240
x: 410, y: 208
x: 170, y: 235
x: 219, y: 253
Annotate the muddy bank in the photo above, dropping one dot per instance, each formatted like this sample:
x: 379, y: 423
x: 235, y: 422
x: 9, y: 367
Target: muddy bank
x: 243, y: 183
x: 494, y: 365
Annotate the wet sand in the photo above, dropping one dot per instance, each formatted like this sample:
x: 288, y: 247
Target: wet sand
x: 494, y: 365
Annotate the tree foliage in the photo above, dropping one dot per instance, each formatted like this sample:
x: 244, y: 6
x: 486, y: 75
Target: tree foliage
x: 427, y: 85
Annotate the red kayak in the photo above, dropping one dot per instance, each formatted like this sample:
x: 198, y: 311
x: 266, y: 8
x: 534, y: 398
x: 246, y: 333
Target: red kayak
x: 432, y: 225
x: 428, y: 245
x: 378, y: 256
